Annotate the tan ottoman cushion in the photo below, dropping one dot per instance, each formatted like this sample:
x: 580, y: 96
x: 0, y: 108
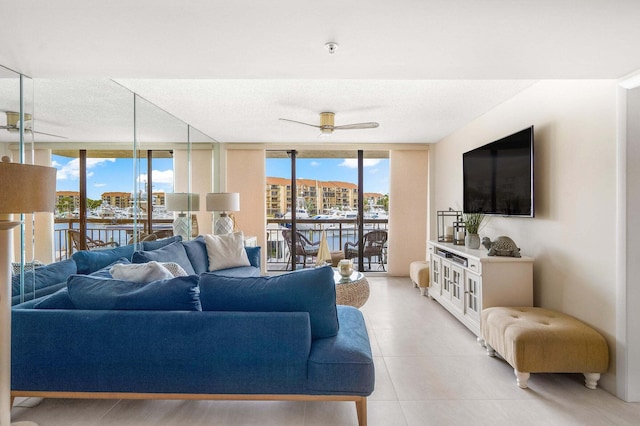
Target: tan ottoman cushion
x: 419, y: 273
x: 534, y: 340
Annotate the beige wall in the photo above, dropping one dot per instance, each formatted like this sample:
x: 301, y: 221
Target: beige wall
x: 572, y: 237
x: 408, y: 189
x: 244, y: 171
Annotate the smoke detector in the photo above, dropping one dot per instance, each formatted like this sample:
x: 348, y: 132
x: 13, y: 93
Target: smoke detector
x: 331, y: 47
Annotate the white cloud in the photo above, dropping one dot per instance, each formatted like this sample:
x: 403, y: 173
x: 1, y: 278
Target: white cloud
x: 352, y: 163
x: 314, y: 164
x: 71, y: 170
x: 159, y: 177
x: 99, y: 185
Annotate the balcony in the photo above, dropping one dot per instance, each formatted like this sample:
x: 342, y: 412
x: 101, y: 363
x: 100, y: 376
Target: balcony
x: 338, y: 232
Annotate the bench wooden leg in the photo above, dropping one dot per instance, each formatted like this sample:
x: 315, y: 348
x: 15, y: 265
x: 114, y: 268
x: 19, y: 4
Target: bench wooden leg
x: 521, y: 378
x: 361, y: 409
x: 591, y: 380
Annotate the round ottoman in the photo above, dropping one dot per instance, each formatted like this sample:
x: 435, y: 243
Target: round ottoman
x: 419, y: 274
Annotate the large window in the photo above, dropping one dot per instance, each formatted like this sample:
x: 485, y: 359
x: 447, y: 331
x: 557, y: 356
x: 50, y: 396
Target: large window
x: 334, y: 194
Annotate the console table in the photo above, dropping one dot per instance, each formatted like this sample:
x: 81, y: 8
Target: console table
x: 466, y: 281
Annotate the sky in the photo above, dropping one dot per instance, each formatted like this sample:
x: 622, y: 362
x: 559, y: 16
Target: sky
x: 115, y: 174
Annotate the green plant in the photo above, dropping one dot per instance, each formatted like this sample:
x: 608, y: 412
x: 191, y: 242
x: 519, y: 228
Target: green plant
x: 473, y: 222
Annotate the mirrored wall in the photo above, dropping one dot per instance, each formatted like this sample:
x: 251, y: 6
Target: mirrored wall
x: 126, y: 169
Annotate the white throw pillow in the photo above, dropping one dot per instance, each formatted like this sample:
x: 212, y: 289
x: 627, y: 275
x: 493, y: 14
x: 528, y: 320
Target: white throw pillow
x: 140, y: 272
x: 226, y: 251
x: 175, y: 269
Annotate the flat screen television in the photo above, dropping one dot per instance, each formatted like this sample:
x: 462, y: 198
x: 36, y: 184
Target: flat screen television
x: 498, y: 177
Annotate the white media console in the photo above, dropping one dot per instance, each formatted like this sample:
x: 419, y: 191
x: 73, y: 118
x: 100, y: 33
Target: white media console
x: 465, y: 281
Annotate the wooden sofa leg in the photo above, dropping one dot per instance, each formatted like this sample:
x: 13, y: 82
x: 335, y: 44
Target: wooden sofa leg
x: 521, y: 378
x: 591, y: 380
x: 361, y: 409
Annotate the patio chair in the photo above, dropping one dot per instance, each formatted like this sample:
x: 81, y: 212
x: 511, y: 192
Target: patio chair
x: 304, y: 247
x: 91, y: 244
x: 374, y: 245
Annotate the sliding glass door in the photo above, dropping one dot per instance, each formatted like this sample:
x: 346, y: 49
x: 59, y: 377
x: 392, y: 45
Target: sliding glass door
x: 340, y: 196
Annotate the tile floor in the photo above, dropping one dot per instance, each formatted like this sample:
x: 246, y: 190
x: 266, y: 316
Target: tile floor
x: 429, y: 371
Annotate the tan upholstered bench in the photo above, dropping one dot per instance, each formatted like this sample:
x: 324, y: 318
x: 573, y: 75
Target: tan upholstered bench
x: 419, y: 274
x: 538, y: 340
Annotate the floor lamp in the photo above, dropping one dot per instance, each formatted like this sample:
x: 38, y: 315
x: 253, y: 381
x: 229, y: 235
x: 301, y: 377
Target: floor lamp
x: 223, y: 202
x: 23, y: 189
x: 182, y: 202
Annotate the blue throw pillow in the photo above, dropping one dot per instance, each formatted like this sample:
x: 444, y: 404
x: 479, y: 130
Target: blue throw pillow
x: 91, y: 261
x: 154, y: 245
x: 58, y: 300
x: 306, y: 290
x: 94, y: 293
x: 197, y: 252
x: 173, y: 252
x: 44, y: 276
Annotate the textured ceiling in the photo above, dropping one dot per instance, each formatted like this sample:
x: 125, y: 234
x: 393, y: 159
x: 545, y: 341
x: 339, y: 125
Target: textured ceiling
x: 421, y: 68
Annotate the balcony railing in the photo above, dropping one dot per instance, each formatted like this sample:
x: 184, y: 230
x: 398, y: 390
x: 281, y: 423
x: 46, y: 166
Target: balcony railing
x: 120, y: 231
x: 338, y: 232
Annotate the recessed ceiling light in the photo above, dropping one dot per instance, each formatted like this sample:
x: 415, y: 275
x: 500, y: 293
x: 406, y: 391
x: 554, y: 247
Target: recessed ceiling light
x: 331, y: 47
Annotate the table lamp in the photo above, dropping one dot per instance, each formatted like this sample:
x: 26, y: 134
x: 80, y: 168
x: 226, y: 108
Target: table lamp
x: 24, y: 188
x: 223, y: 202
x: 182, y: 202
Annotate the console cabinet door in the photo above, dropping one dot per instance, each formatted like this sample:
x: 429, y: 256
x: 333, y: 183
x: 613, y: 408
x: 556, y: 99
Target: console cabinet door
x: 436, y: 278
x: 457, y: 287
x: 446, y: 279
x: 472, y: 297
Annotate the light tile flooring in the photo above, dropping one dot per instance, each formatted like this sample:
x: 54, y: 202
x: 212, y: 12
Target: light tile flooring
x: 429, y: 371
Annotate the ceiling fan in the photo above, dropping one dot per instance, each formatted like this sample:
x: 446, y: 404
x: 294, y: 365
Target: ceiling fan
x: 327, y: 124
x: 12, y: 124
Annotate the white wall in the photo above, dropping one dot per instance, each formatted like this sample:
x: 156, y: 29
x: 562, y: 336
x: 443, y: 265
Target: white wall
x: 572, y: 237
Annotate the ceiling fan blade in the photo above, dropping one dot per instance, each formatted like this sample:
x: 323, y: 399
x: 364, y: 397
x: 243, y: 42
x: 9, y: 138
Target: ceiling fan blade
x: 300, y: 122
x: 368, y: 125
x: 48, y: 134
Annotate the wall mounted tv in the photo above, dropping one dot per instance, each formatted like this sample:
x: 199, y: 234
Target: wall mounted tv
x: 498, y: 177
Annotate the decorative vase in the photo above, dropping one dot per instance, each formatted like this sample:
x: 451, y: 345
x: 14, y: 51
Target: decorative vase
x: 345, y: 267
x: 472, y: 241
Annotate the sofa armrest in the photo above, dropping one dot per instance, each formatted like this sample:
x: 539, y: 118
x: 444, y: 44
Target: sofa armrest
x: 160, y: 351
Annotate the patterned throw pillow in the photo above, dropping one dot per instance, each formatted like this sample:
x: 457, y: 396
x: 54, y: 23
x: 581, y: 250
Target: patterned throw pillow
x: 175, y: 269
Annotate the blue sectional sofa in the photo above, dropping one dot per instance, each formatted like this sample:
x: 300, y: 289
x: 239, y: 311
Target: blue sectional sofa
x: 50, y: 278
x: 210, y: 335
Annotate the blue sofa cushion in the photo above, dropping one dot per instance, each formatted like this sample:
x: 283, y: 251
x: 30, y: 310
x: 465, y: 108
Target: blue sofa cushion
x: 61, y: 300
x: 154, y: 245
x: 345, y: 358
x: 43, y: 277
x: 197, y: 253
x: 58, y: 300
x: 104, y: 271
x: 306, y: 290
x: 173, y: 252
x: 95, y: 293
x: 91, y: 261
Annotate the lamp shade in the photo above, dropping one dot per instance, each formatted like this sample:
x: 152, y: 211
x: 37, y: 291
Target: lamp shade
x: 25, y: 188
x: 223, y: 202
x: 179, y: 202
